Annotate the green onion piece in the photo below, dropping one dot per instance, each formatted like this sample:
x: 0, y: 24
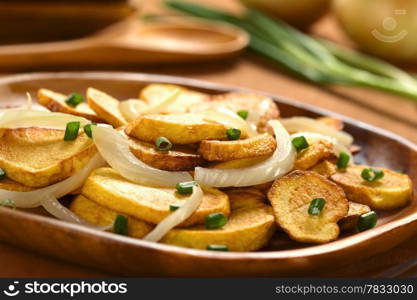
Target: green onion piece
x: 372, y: 174
x: 215, y: 220
x: 163, y: 144
x: 217, y: 248
x: 71, y: 131
x: 233, y: 134
x: 367, y: 221
x: 316, y: 206
x: 173, y: 207
x: 185, y: 188
x: 343, y: 160
x: 120, y: 225
x: 2, y: 174
x: 87, y: 129
x: 300, y: 143
x: 8, y: 202
x: 74, y: 99
x: 243, y: 114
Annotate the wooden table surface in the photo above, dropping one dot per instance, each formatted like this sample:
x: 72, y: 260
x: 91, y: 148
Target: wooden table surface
x: 249, y: 71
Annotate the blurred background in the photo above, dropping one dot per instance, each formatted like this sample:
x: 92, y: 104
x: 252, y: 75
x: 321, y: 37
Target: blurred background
x: 355, y: 57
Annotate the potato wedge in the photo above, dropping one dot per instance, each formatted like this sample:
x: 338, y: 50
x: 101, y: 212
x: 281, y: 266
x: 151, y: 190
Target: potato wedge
x: 332, y: 122
x: 179, y: 128
x: 106, y: 187
x: 355, y: 211
x: 260, y: 145
x: 106, y: 107
x: 153, y: 94
x: 38, y: 157
x: 10, y: 185
x: 245, y: 197
x: 325, y: 168
x: 179, y: 158
x: 101, y: 216
x: 56, y: 102
x: 291, y: 196
x: 317, y: 151
x: 248, y: 229
x: 260, y: 104
x: 390, y: 192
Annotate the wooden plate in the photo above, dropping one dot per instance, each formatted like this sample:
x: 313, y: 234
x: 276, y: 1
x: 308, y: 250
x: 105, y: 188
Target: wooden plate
x: 34, y: 230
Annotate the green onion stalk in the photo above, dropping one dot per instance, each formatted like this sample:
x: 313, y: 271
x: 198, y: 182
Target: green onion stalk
x: 313, y: 59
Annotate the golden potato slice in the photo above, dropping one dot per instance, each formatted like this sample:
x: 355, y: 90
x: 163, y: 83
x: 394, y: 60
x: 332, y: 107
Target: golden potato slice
x: 291, y: 196
x: 106, y: 187
x: 325, y: 168
x: 10, y: 185
x: 263, y: 106
x: 332, y: 122
x: 392, y: 191
x: 39, y: 157
x: 316, y: 152
x: 101, y: 216
x: 153, y: 94
x: 248, y: 229
x: 106, y: 107
x: 355, y: 211
x: 239, y: 163
x: 245, y: 197
x: 260, y: 145
x: 179, y: 158
x: 56, y: 102
x: 179, y: 128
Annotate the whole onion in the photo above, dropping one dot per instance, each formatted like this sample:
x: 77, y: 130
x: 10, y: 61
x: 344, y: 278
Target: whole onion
x: 385, y: 28
x: 299, y: 13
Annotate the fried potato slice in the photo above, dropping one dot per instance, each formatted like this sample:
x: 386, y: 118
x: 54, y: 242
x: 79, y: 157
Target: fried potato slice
x: 291, y: 196
x: 392, y: 191
x: 153, y: 94
x: 264, y: 107
x: 102, y: 216
x: 260, y: 145
x: 325, y: 168
x: 179, y: 128
x: 355, y: 211
x: 10, y: 185
x: 179, y: 158
x: 332, y: 122
x: 56, y: 102
x: 245, y: 197
x: 247, y: 229
x: 106, y: 107
x: 38, y: 157
x: 316, y: 152
x: 106, y: 187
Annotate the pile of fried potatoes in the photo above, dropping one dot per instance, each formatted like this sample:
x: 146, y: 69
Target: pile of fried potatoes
x: 312, y: 203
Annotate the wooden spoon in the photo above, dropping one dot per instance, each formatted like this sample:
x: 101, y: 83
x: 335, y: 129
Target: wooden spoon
x: 131, y: 42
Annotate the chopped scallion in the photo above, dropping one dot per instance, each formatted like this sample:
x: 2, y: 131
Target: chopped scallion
x: 217, y: 248
x: 174, y: 207
x: 163, y: 144
x: 300, y: 143
x: 215, y: 220
x: 233, y: 134
x: 316, y: 206
x: 74, y: 99
x: 2, y: 174
x: 185, y: 188
x: 243, y: 114
x: 343, y: 160
x: 88, y: 131
x: 8, y: 202
x: 372, y: 174
x: 71, y: 131
x: 367, y: 221
x: 120, y: 225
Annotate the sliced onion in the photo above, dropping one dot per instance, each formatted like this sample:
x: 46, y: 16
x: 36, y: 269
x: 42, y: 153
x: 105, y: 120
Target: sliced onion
x: 337, y: 146
x: 33, y: 198
x: 297, y: 124
x: 177, y: 217
x: 35, y: 118
x: 229, y: 119
x: 160, y: 107
x: 132, y: 108
x: 280, y: 163
x: 114, y: 148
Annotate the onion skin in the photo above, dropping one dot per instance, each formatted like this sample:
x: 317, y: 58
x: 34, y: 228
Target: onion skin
x: 299, y: 13
x: 362, y: 20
